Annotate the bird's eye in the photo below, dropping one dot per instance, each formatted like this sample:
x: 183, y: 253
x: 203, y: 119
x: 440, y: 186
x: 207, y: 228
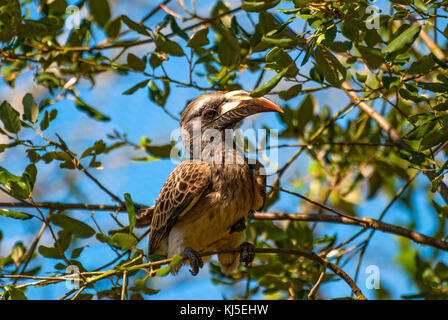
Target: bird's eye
x: 211, y: 114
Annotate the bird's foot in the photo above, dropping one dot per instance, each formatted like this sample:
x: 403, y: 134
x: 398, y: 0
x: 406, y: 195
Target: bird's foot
x: 195, y: 260
x: 247, y: 253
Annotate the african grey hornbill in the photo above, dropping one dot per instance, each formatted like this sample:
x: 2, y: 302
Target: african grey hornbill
x: 205, y: 196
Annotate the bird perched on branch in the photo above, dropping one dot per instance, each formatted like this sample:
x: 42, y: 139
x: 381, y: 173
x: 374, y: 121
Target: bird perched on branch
x: 205, y: 197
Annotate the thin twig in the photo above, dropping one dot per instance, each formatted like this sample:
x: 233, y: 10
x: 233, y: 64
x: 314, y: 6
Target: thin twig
x: 319, y: 280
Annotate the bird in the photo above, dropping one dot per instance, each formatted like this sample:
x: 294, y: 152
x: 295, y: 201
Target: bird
x: 214, y: 190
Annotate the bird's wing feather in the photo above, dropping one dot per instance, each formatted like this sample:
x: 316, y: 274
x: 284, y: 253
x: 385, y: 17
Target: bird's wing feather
x: 179, y: 194
x: 259, y: 178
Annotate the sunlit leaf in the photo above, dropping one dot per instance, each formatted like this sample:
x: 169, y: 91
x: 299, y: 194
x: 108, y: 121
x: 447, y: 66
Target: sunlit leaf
x: 10, y: 117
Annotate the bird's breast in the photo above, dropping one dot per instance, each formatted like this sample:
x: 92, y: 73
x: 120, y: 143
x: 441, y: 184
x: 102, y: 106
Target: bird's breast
x: 228, y: 199
x: 232, y: 188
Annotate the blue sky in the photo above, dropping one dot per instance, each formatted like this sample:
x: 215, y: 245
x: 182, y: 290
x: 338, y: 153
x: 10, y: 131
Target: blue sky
x: 137, y: 116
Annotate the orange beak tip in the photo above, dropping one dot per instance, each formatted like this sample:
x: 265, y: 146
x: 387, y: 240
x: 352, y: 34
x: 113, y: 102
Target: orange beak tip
x: 269, y: 105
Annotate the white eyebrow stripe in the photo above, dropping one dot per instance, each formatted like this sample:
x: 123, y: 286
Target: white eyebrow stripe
x: 229, y: 106
x: 236, y: 93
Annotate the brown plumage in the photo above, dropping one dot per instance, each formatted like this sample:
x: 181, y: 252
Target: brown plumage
x: 179, y: 194
x: 204, y: 197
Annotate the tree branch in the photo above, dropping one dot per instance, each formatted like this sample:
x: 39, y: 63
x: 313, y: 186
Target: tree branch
x: 391, y: 131
x: 146, y: 41
x: 308, y: 255
x: 367, y: 223
x: 63, y: 206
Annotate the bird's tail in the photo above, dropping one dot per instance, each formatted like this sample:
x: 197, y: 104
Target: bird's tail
x: 144, y: 216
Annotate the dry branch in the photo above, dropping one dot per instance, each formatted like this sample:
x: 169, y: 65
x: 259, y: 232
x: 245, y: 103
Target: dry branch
x: 367, y: 223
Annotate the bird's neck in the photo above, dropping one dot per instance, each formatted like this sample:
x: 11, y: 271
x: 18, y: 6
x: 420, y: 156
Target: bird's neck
x: 215, y: 151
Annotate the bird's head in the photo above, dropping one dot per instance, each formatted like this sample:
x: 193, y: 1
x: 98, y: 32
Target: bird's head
x: 206, y: 118
x: 223, y: 110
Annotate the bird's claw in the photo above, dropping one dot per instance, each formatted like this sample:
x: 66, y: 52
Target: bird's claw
x: 195, y: 260
x: 247, y: 253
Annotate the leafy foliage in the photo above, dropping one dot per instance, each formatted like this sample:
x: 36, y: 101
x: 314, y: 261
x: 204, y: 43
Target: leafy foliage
x: 299, y: 52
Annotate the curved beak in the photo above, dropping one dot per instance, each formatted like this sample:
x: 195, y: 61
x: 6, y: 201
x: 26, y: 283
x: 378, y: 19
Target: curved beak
x: 241, y: 99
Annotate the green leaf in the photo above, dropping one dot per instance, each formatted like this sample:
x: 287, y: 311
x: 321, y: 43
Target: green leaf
x: 410, y: 95
x: 305, y: 112
x: 420, y: 4
x: 90, y: 111
x: 77, y: 252
x: 145, y: 159
x: 37, y: 28
x: 258, y: 6
x: 84, y: 296
x: 123, y: 241
x: 15, y: 214
x: 78, y: 228
x: 328, y: 37
x: 139, y: 85
x: 176, y: 260
x: 49, y: 79
x: 228, y: 46
x: 135, y: 26
x: 157, y: 58
x: 328, y: 65
x: 140, y: 285
x: 433, y: 138
x: 402, y: 42
x: 49, y: 252
x: 277, y: 59
x: 199, y: 39
x: 339, y: 46
x: 130, y: 208
x: 372, y: 38
x: 170, y: 47
x: 100, y: 11
x: 362, y: 77
x: 13, y: 293
x: 422, y: 65
x: 18, y: 189
x: 157, y: 95
x: 45, y: 122
x: 18, y: 252
x: 10, y: 117
x: 269, y: 85
x: 97, y: 148
x: 434, y: 86
x: 102, y: 237
x: 390, y: 82
x: 30, y: 108
x: 351, y: 28
x: 135, y: 63
x: 161, y: 152
x: 373, y: 57
x: 441, y: 270
x: 53, y: 114
x: 64, y: 238
x: 113, y: 27
x: 124, y: 229
x: 157, y: 257
x: 29, y: 176
x: 14, y: 184
x: 292, y: 92
x: 279, y: 43
x: 441, y: 106
x: 176, y: 29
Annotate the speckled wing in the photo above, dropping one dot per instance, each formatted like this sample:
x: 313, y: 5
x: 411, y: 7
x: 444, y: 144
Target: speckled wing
x: 179, y: 194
